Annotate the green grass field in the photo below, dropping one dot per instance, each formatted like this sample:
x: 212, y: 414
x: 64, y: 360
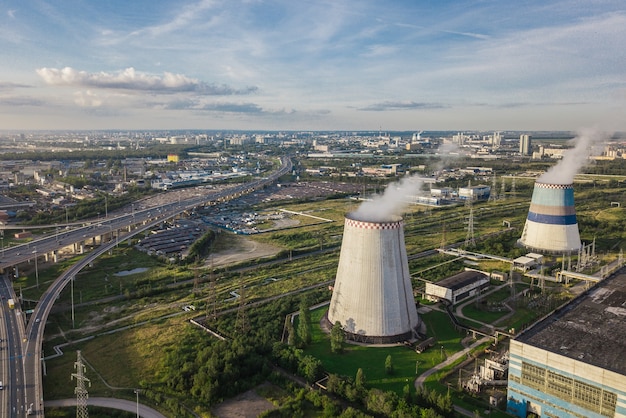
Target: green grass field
x: 406, y: 362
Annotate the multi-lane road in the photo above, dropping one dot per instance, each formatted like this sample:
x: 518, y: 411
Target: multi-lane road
x: 20, y: 348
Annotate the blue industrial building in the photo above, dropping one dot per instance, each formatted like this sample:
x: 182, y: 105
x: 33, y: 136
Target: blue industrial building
x: 573, y: 363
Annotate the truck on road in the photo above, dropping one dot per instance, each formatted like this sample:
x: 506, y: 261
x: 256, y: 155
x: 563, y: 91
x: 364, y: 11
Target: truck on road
x: 11, y: 303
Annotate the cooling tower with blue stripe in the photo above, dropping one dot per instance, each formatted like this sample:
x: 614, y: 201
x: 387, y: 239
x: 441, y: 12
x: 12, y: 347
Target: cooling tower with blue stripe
x: 551, y: 225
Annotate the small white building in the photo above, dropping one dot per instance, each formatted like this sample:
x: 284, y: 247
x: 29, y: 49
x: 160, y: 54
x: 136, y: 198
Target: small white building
x: 457, y: 287
x: 528, y: 261
x: 480, y: 192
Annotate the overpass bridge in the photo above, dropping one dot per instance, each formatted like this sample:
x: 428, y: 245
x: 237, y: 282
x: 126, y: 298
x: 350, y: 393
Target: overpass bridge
x: 21, y: 360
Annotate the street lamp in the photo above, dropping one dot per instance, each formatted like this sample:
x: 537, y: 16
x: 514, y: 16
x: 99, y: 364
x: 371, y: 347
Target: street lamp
x: 36, y: 269
x: 137, y: 393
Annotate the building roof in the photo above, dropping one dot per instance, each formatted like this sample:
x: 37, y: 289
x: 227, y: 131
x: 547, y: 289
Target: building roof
x: 590, y: 329
x: 461, y: 280
x: 525, y: 260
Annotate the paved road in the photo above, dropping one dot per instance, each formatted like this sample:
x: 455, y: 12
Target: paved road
x: 22, y: 367
x: 112, y: 403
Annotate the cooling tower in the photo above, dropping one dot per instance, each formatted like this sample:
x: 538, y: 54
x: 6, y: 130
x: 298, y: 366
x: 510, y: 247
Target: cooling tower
x: 372, y: 297
x: 551, y: 224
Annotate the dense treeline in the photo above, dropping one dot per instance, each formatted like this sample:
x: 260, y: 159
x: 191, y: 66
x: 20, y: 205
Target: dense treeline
x: 423, y: 403
x: 201, y: 247
x: 200, y: 371
x: 156, y: 151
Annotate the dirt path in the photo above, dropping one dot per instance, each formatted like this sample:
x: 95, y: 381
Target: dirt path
x: 246, y: 405
x: 242, y: 249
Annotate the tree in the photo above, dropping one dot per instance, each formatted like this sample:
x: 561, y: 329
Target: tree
x: 292, y: 338
x: 388, y: 365
x: 382, y: 403
x: 304, y: 324
x: 359, y: 381
x: 310, y: 368
x: 337, y: 337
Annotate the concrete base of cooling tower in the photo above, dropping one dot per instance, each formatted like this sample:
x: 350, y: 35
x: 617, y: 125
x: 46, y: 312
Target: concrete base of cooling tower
x: 552, y: 239
x: 410, y: 336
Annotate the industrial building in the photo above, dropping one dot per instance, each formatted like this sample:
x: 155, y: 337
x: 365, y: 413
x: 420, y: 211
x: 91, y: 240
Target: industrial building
x: 551, y: 225
x: 528, y: 261
x: 372, y: 296
x: 573, y: 363
x: 458, y: 287
x: 480, y: 192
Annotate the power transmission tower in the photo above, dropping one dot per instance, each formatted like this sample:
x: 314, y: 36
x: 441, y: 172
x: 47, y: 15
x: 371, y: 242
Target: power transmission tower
x: 503, y: 189
x: 196, y: 278
x: 81, y: 390
x: 512, y: 284
x: 493, y: 196
x: 443, y: 236
x: 513, y: 187
x: 212, y: 295
x: 241, y: 323
x: 469, y: 239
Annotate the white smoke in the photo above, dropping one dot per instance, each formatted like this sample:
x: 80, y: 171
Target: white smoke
x: 574, y: 158
x: 447, y: 152
x: 393, y: 202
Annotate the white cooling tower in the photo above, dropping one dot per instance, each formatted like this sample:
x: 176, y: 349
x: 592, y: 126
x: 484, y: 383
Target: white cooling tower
x: 373, y: 297
x: 551, y: 225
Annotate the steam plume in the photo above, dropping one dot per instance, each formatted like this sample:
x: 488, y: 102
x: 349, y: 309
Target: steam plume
x: 573, y: 159
x: 393, y: 201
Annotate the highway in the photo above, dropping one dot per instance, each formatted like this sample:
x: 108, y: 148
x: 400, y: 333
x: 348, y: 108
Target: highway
x: 12, y: 376
x: 21, y: 373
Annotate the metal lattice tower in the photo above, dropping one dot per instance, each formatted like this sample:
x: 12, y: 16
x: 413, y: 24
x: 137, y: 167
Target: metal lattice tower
x: 503, y: 189
x: 512, y: 284
x: 212, y: 302
x: 513, y: 187
x: 493, y: 196
x: 196, y: 278
x: 469, y: 239
x: 241, y: 323
x: 81, y: 390
x: 443, y: 236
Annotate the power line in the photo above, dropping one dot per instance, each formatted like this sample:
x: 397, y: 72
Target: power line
x: 81, y: 390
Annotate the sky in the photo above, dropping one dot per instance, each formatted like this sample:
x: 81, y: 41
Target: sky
x: 313, y: 65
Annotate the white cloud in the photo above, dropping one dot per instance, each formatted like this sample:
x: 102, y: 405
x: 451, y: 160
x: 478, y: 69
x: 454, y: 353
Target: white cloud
x: 130, y: 79
x: 87, y: 99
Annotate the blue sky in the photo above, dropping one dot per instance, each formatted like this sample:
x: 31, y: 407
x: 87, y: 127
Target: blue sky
x: 313, y: 64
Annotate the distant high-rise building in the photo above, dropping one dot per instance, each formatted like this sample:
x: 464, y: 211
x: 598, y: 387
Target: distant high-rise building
x: 496, y: 140
x: 524, y: 144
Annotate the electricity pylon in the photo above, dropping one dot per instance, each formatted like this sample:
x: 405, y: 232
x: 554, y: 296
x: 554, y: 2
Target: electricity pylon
x: 81, y: 390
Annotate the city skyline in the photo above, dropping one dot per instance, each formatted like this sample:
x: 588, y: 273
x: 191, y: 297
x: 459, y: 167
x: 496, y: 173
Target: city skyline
x: 323, y: 65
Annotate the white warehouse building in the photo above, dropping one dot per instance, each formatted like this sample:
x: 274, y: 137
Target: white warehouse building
x: 458, y: 287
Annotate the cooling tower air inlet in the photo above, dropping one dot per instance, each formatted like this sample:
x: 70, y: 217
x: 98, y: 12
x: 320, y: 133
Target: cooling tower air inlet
x: 373, y: 297
x: 551, y: 225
